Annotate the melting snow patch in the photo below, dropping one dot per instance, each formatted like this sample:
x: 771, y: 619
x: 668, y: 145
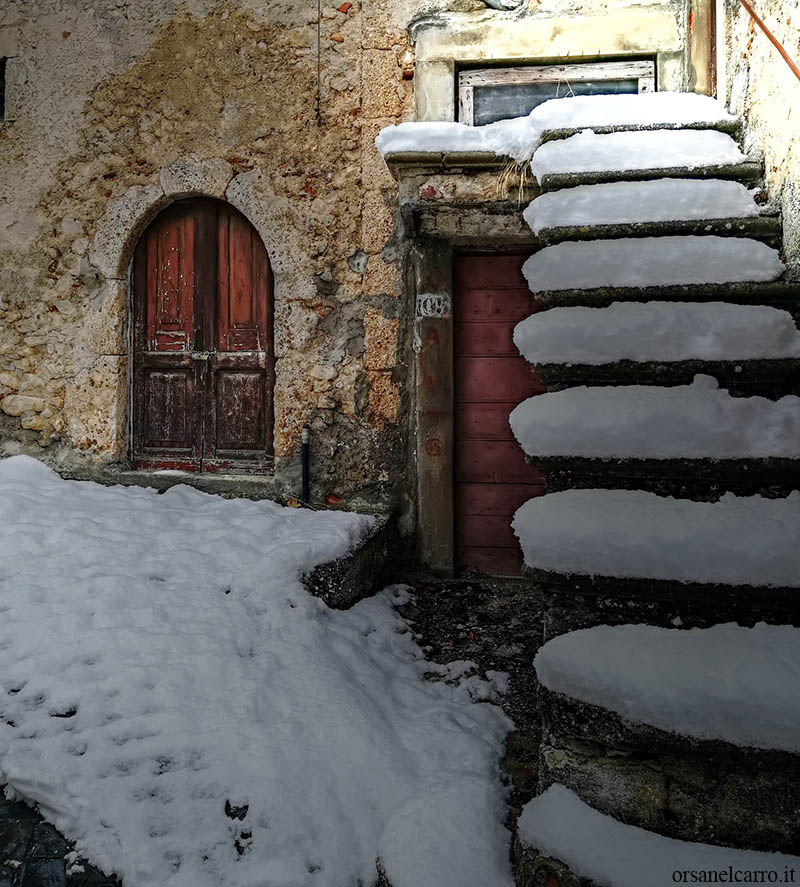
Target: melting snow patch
x: 662, y: 200
x: 519, y: 136
x: 652, y: 422
x: 651, y: 261
x: 631, y: 533
x: 660, y: 331
x: 175, y: 702
x: 626, y: 151
x: 597, y: 847
x: 728, y: 683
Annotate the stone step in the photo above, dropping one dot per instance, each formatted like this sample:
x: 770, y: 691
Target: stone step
x: 748, y: 172
x: 707, y: 720
x: 766, y: 228
x: 703, y: 480
x: 742, y: 378
x: 783, y: 293
x: 564, y: 842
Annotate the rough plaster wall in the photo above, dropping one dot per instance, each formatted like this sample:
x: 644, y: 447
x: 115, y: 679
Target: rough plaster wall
x: 766, y: 93
x: 115, y: 109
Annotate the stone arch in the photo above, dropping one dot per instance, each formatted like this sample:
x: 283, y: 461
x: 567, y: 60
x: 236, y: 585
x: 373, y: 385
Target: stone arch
x: 127, y: 216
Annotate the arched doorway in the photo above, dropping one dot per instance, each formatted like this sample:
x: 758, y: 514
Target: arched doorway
x: 203, y: 356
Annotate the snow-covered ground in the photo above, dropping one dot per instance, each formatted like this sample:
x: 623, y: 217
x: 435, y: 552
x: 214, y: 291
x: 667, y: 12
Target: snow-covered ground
x: 608, y: 852
x: 694, y: 421
x: 588, y: 151
x: 159, y: 658
x: 661, y: 200
x: 651, y: 261
x: 726, y: 682
x: 658, y: 331
x: 518, y: 137
x: 638, y: 534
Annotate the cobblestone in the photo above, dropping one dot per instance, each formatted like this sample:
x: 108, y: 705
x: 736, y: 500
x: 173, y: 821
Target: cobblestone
x: 33, y: 853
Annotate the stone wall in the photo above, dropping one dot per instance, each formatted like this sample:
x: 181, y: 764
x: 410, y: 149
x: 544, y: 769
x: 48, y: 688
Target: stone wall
x: 115, y: 109
x: 762, y: 88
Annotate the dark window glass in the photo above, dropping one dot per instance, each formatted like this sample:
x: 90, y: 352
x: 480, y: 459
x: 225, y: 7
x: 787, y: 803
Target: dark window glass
x: 513, y: 100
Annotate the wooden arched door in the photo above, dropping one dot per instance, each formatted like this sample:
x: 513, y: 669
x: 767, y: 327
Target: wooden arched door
x: 203, y: 359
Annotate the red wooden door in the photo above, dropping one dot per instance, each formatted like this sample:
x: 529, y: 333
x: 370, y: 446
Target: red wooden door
x: 203, y: 362
x: 492, y: 478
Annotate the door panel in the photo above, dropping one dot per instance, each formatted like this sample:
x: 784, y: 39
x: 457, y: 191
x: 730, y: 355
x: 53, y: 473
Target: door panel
x: 203, y: 356
x: 492, y: 478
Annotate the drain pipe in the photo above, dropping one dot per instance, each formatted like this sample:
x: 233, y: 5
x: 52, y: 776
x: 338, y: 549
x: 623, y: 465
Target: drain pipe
x: 305, y: 440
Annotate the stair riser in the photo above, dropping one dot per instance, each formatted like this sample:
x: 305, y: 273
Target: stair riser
x: 575, y: 601
x: 703, y: 480
x: 748, y: 173
x: 744, y: 378
x: 781, y: 294
x: 767, y: 230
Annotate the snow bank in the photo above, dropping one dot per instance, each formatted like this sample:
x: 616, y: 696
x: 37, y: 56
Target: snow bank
x: 637, y: 534
x: 620, y: 151
x: 652, y: 422
x: 159, y: 657
x: 660, y: 331
x: 727, y: 682
x: 661, y: 200
x: 651, y: 261
x: 519, y: 136
x: 608, y: 852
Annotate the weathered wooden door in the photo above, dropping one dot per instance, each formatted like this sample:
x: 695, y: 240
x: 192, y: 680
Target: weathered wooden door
x: 492, y: 478
x: 203, y: 362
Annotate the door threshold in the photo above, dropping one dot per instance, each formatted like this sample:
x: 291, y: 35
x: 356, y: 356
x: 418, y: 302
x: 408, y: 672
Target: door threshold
x: 233, y: 486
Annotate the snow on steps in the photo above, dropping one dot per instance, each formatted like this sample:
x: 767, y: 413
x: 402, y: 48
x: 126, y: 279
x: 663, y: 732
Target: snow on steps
x: 627, y: 533
x: 726, y: 683
x: 653, y: 422
x: 657, y: 331
x: 599, y: 850
x: 589, y: 158
x: 651, y: 262
x: 519, y: 137
x: 637, y: 209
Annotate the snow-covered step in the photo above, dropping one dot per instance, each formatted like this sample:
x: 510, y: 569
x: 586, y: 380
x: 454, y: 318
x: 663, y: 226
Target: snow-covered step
x: 694, y: 421
x: 651, y: 262
x: 519, y: 137
x: 657, y: 331
x: 626, y: 152
x: 636, y: 534
x: 558, y: 825
x: 660, y: 200
x: 650, y: 208
x: 726, y: 683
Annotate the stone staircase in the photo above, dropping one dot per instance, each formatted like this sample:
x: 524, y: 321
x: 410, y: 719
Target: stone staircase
x: 703, y: 793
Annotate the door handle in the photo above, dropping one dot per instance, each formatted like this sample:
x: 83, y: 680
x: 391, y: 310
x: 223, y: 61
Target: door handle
x: 201, y: 355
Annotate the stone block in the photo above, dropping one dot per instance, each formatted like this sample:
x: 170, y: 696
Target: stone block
x: 377, y: 222
x: 374, y: 171
x: 17, y: 404
x: 384, y: 399
x: 381, y: 94
x: 380, y: 340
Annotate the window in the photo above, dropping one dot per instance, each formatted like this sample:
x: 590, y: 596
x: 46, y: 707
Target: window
x: 493, y: 94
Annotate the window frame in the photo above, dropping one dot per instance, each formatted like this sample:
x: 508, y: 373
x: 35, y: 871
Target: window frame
x: 642, y: 70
